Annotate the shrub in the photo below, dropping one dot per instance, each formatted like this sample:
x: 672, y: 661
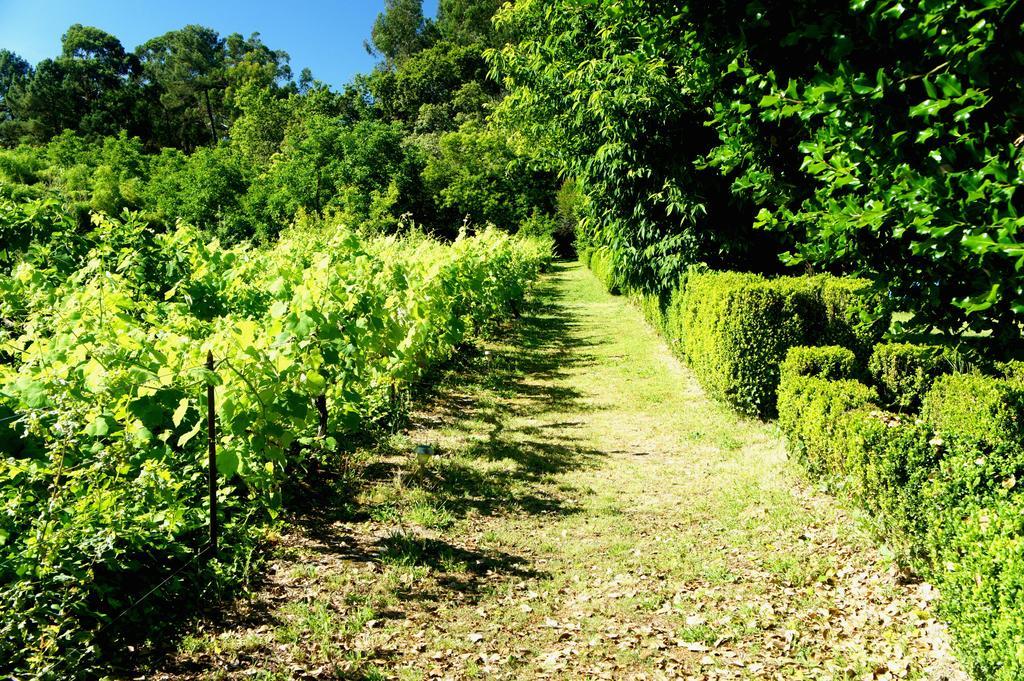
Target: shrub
x: 812, y: 414
x: 828, y: 361
x: 941, y: 489
x: 977, y: 410
x: 602, y: 262
x: 652, y: 306
x: 856, y: 315
x: 734, y: 330
x: 890, y: 459
x: 975, y: 527
x: 905, y: 371
x: 1013, y: 370
x: 977, y: 421
x: 583, y: 254
x: 980, y: 575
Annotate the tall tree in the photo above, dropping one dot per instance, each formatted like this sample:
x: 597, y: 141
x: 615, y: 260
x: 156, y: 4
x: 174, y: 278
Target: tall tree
x: 400, y: 31
x: 185, y: 71
x: 467, y: 21
x: 89, y: 88
x: 14, y: 71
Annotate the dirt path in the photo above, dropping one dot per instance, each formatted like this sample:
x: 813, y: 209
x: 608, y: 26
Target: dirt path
x: 589, y: 513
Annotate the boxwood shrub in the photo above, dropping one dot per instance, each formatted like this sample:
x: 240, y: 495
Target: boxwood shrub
x: 1013, y: 370
x: 942, y: 489
x: 856, y: 316
x: 977, y: 410
x: 980, y: 575
x: 583, y: 253
x: 734, y: 329
x: 827, y: 361
x: 890, y: 459
x: 813, y: 415
x: 653, y: 307
x: 904, y: 372
x: 602, y: 263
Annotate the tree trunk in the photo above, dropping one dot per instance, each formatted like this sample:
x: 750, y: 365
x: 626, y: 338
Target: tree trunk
x: 321, y: 408
x: 213, y: 122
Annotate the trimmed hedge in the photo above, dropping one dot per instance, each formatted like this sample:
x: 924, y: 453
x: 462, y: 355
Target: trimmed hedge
x: 981, y: 582
x: 905, y: 371
x: 652, y: 306
x: 856, y: 317
x: 979, y: 410
x: 602, y: 263
x: 1013, y: 370
x: 812, y: 413
x: 734, y: 329
x: 976, y: 523
x: 889, y: 460
x: 942, y: 489
x: 828, y: 361
x: 583, y: 254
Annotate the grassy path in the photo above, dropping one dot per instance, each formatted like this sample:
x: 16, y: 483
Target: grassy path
x: 589, y: 514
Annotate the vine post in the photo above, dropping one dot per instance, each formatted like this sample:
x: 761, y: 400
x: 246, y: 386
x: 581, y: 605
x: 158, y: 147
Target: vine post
x: 211, y: 430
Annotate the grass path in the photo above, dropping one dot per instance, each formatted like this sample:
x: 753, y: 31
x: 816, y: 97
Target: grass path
x: 589, y: 513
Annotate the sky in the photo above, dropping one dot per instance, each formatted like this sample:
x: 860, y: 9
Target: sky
x: 326, y: 36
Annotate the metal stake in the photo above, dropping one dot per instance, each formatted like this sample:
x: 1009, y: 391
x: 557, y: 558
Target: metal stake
x: 211, y: 430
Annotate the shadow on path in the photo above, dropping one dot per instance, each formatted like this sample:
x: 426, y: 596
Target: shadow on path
x: 508, y: 413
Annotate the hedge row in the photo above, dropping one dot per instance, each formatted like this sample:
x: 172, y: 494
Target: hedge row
x: 734, y: 329
x: 942, y: 487
x: 603, y: 265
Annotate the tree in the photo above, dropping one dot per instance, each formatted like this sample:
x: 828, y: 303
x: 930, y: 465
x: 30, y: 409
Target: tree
x: 89, y: 88
x: 877, y: 138
x: 467, y: 21
x: 14, y: 71
x: 476, y: 174
x: 399, y: 31
x: 186, y: 73
x: 426, y: 86
x: 628, y: 119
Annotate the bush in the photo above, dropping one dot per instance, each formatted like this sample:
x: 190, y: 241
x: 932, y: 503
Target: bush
x: 975, y: 530
x: 940, y: 489
x: 977, y: 421
x: 905, y: 371
x: 977, y: 410
x: 734, y: 330
x: 889, y: 461
x: 602, y: 263
x: 653, y: 308
x: 583, y: 254
x: 856, y: 315
x: 812, y: 414
x: 1013, y: 370
x: 828, y: 361
x: 980, y: 575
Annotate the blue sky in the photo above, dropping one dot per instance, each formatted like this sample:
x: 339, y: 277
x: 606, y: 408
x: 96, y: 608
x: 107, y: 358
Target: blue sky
x: 326, y: 36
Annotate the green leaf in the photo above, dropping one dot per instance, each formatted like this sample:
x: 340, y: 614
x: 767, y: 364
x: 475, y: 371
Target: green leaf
x: 36, y: 395
x: 316, y: 382
x: 227, y: 462
x: 180, y: 412
x: 100, y: 426
x: 184, y: 439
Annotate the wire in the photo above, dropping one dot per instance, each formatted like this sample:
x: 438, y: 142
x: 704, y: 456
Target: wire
x: 156, y: 588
